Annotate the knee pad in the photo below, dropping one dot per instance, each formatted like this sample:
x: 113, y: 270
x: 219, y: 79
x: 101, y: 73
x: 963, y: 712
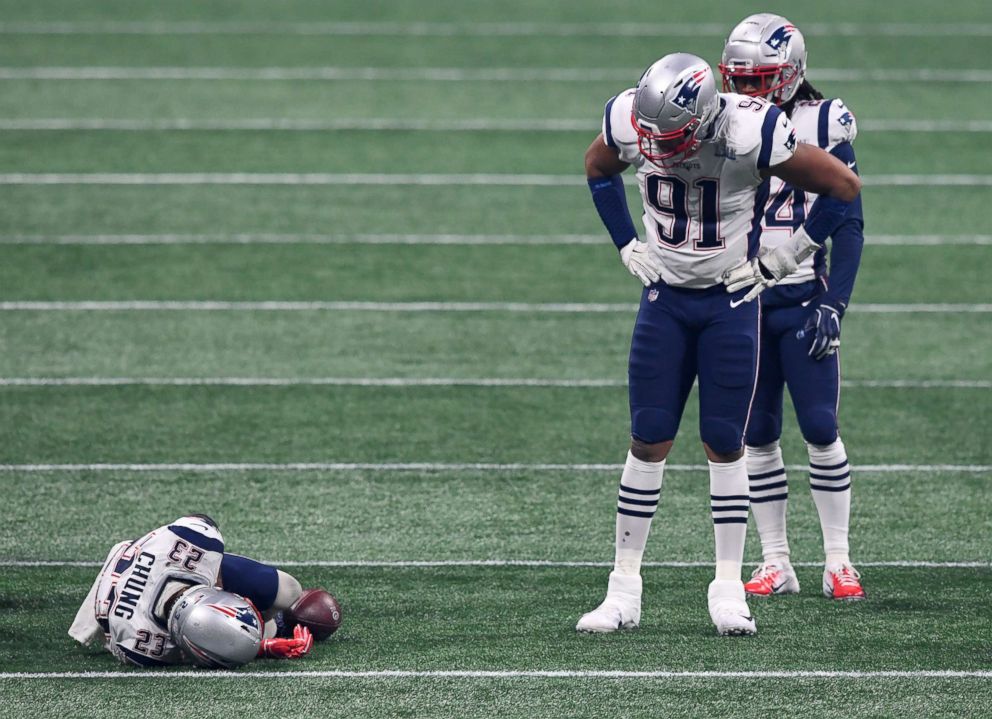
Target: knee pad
x: 763, y: 428
x: 721, y: 436
x: 819, y: 426
x: 652, y: 425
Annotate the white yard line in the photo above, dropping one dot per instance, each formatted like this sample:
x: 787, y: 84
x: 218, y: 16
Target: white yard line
x: 398, y: 179
x: 472, y: 29
x: 291, y: 674
x: 211, y: 467
x: 451, y: 74
x: 419, y: 382
x: 400, y: 239
x: 498, y: 563
x: 349, y: 306
x: 408, y: 125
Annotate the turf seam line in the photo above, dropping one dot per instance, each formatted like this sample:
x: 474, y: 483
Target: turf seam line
x: 550, y: 241
x: 453, y: 306
x: 507, y: 674
x: 433, y: 467
x: 472, y: 29
x: 449, y: 74
x: 494, y: 382
x: 404, y: 179
x: 181, y: 124
x: 498, y: 563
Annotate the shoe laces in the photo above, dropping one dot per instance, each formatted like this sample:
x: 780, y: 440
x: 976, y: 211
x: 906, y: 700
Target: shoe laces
x: 766, y: 573
x: 847, y: 576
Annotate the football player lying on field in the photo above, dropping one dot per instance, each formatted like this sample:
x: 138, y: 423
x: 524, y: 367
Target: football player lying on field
x: 175, y: 597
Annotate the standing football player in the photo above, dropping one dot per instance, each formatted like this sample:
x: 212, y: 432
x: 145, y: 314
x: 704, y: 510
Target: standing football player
x: 700, y: 157
x: 174, y: 596
x: 765, y: 56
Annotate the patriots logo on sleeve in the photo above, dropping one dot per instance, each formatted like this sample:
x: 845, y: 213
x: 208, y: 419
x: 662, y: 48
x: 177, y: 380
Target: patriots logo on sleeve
x: 689, y: 92
x: 846, y: 119
x: 780, y: 37
x: 790, y: 141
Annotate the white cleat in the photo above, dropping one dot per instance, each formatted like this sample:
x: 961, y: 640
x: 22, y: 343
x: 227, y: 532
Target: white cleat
x: 729, y: 610
x: 620, y: 610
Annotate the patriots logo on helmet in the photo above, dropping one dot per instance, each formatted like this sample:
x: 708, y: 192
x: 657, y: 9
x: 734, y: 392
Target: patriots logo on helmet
x: 688, y: 94
x: 846, y: 119
x: 245, y: 615
x: 780, y: 37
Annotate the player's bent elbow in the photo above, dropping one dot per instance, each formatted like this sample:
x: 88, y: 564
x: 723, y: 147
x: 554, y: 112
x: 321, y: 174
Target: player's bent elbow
x: 848, y: 188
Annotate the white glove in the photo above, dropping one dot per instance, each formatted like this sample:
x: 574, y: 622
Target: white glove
x: 770, y: 266
x: 637, y: 258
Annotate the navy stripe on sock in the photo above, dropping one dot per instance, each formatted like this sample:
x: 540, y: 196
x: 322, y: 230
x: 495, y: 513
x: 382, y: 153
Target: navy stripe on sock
x: 632, y: 513
x: 732, y: 508
x: 830, y: 489
x: 828, y: 466
x: 767, y: 475
x: 773, y: 498
x: 640, y: 502
x: 829, y: 478
x: 730, y: 520
x: 631, y: 490
x: 773, y: 485
x: 717, y: 498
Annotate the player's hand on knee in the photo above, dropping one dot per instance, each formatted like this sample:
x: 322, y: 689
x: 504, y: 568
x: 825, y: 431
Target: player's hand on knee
x: 294, y: 648
x: 637, y: 258
x: 823, y: 325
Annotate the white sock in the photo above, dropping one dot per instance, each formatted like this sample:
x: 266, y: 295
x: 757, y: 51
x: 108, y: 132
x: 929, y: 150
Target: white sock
x: 830, y: 480
x: 729, y: 501
x: 640, y: 490
x: 769, y: 499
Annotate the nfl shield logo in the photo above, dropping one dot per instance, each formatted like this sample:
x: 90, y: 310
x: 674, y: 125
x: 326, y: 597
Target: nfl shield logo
x: 652, y: 295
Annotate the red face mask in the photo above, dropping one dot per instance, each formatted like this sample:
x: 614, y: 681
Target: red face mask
x: 763, y: 80
x: 667, y: 148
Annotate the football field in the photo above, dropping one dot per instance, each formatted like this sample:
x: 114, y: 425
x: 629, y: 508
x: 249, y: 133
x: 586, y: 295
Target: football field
x: 330, y: 273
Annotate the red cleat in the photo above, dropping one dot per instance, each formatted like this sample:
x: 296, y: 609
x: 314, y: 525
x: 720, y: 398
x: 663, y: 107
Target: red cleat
x: 843, y: 582
x: 772, y: 578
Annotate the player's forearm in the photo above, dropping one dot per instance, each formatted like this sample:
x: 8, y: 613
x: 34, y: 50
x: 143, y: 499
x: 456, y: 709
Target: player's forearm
x: 611, y: 204
x: 832, y: 208
x: 845, y: 259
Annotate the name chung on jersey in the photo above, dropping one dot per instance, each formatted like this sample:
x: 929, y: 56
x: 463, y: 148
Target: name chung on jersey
x: 699, y: 214
x: 137, y: 580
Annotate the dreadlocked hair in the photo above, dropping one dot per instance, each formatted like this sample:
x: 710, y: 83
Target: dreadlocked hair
x: 804, y: 92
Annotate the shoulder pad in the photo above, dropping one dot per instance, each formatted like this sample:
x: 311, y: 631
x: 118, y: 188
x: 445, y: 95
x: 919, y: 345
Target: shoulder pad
x: 198, y: 532
x: 743, y: 117
x: 617, y: 130
x: 833, y: 121
x: 843, y: 127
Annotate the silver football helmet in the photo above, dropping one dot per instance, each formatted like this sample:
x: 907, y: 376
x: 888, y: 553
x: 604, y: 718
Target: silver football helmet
x: 764, y: 56
x: 216, y: 629
x: 675, y: 101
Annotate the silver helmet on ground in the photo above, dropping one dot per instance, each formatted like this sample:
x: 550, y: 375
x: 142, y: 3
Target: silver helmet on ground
x: 216, y: 629
x: 674, y: 103
x: 765, y: 56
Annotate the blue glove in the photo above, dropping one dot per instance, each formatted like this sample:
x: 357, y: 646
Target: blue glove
x: 823, y: 325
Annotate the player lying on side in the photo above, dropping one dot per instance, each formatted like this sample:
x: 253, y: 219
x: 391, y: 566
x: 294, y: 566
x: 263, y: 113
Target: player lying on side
x: 175, y: 597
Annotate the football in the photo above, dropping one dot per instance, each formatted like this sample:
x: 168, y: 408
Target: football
x: 317, y: 610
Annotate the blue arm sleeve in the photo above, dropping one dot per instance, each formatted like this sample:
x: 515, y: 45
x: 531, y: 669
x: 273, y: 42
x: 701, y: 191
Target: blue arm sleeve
x: 611, y: 203
x: 827, y: 213
x: 847, y: 241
